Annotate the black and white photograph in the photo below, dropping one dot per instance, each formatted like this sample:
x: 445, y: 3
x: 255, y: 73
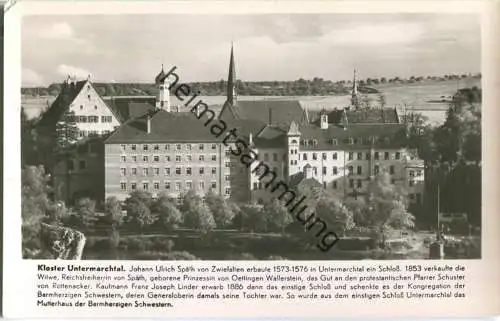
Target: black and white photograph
x: 335, y: 136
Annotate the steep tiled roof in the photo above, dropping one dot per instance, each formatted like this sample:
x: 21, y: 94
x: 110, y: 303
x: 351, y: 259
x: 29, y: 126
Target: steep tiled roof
x: 130, y: 107
x: 353, y: 137
x: 276, y: 112
x: 365, y: 116
x: 165, y: 127
x: 61, y: 103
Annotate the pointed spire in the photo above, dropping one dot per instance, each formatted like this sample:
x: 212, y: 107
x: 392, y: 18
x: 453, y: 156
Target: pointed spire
x: 293, y: 130
x: 354, y: 94
x: 231, y: 79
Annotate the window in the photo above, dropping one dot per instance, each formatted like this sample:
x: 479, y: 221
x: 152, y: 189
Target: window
x: 189, y: 185
x: 156, y: 186
x: 167, y: 171
x: 156, y: 171
x: 214, y: 158
x: 324, y: 170
x: 376, y: 156
x: 178, y: 147
x: 350, y: 170
x: 315, y: 170
x: 228, y: 164
x: 202, y: 158
x: 227, y: 178
x: 123, y: 147
x: 202, y: 171
x: 419, y: 173
x: 178, y: 158
x: 351, y: 183
x: 167, y: 147
x: 156, y: 147
x: 412, y: 173
x: 202, y: 185
x: 351, y: 155
x: 335, y: 170
x: 255, y: 186
x: 214, y: 170
x: 359, y: 170
x: 145, y: 172
x: 145, y: 186
x: 391, y: 169
x: 156, y: 158
x: 315, y: 156
x: 167, y: 185
x: 123, y: 159
x: 412, y: 182
x: 266, y: 157
x: 167, y: 158
x: 123, y: 186
x: 177, y: 186
x: 81, y: 107
x: 214, y: 184
x: 177, y: 171
x: 398, y: 155
x: 145, y: 158
x: 376, y: 169
x: 201, y: 147
x: 145, y: 147
x: 334, y: 156
x: 188, y: 170
x: 386, y: 155
x: 214, y: 146
x: 134, y: 159
x: 134, y: 171
x: 82, y: 164
x: 360, y: 156
x: 188, y: 147
x: 324, y: 156
x: 275, y: 157
x: 133, y: 186
x: 304, y: 156
x: 189, y: 158
x: 368, y: 156
x: 133, y: 147
x: 228, y: 191
x: 123, y: 171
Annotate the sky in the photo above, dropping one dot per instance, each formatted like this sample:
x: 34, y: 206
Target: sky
x: 131, y: 48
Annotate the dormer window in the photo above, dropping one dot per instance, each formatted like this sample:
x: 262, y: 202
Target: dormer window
x: 294, y: 141
x: 333, y: 141
x: 315, y: 142
x: 311, y: 142
x: 351, y: 140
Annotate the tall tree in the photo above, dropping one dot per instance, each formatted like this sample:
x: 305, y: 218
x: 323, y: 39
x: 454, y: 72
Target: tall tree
x: 222, y: 211
x: 336, y: 214
x: 66, y: 131
x: 253, y: 217
x: 169, y: 217
x: 277, y: 215
x: 85, y: 211
x: 113, y: 211
x: 197, y: 215
x: 138, y: 207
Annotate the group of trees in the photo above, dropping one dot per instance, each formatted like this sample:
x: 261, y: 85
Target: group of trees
x: 315, y: 86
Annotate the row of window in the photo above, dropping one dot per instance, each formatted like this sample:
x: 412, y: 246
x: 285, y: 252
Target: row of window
x: 90, y: 119
x: 352, y: 184
x: 353, y: 156
x: 85, y: 133
x: 347, y: 140
x: 167, y: 186
x: 177, y: 147
x: 168, y: 158
x: 167, y: 171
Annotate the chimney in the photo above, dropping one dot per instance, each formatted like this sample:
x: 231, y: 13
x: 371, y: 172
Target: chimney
x: 250, y: 139
x: 148, y: 123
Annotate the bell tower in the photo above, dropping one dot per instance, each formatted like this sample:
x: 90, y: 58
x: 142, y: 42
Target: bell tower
x: 163, y: 91
x: 293, y: 139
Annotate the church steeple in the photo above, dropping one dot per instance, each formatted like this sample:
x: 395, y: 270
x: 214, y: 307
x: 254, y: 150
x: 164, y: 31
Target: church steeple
x: 354, y: 93
x: 231, y: 80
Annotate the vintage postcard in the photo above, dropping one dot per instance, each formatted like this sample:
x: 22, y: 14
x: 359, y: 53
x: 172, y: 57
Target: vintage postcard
x: 187, y: 158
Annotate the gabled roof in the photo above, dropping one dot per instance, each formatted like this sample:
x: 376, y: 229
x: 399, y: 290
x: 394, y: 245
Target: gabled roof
x: 165, y: 127
x: 365, y: 116
x: 61, y: 103
x: 126, y: 108
x: 275, y: 112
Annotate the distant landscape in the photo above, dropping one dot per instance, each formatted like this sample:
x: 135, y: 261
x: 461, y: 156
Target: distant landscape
x: 429, y: 95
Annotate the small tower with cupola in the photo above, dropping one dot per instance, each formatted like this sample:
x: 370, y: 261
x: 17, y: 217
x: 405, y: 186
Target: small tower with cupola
x: 293, y: 139
x: 163, y: 91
